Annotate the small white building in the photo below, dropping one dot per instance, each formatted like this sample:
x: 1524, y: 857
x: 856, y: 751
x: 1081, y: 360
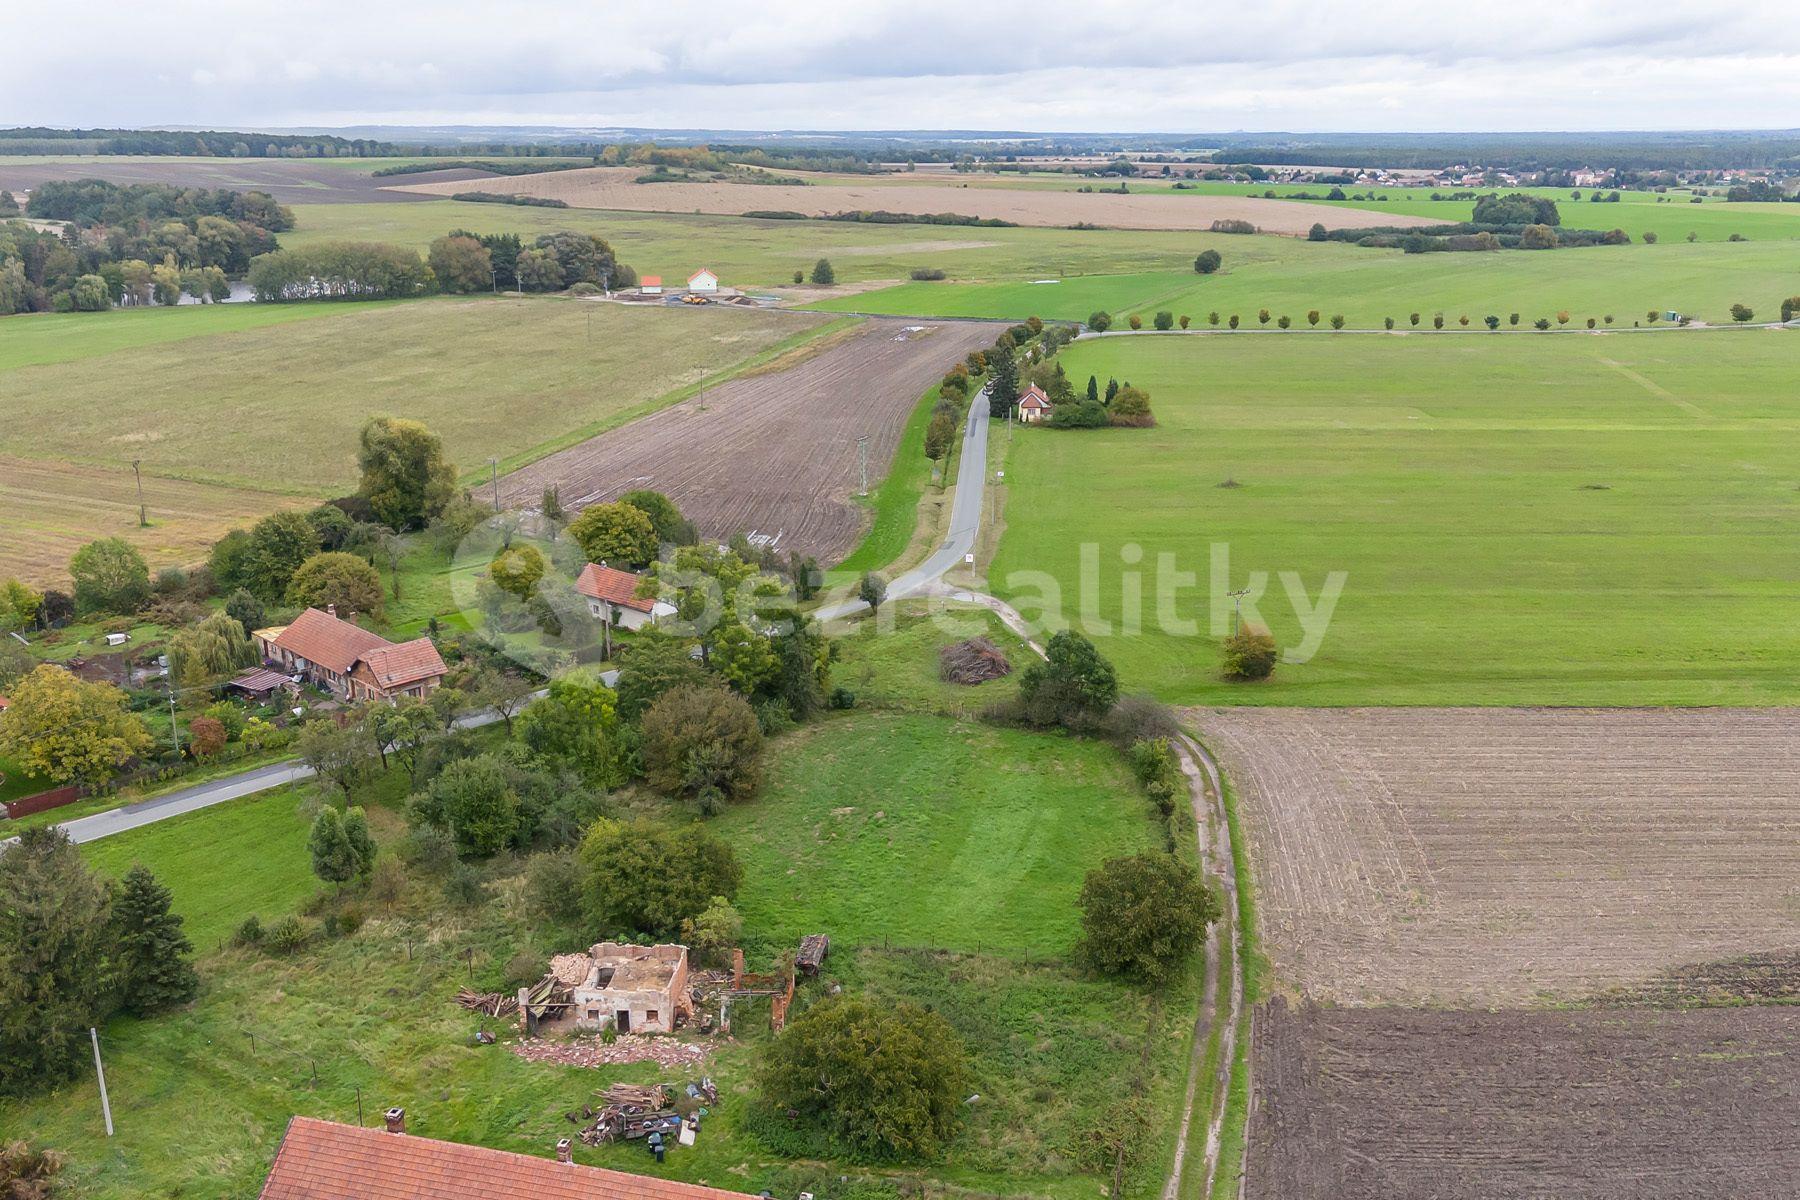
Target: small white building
x: 612, y: 597
x: 703, y: 282
x: 650, y: 285
x: 1034, y: 406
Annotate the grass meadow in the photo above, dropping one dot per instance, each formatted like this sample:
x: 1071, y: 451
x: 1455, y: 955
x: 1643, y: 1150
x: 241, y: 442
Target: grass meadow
x: 1523, y: 519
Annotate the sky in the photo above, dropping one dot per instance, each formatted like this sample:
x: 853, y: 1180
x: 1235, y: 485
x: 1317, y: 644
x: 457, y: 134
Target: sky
x: 1056, y: 65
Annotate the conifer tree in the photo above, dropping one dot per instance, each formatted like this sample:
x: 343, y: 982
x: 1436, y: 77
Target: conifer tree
x: 333, y: 857
x: 362, y: 843
x: 153, y: 953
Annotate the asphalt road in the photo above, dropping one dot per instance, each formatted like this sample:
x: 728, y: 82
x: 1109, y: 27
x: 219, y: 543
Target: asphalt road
x: 965, y: 519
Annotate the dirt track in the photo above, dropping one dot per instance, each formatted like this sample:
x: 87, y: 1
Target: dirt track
x: 612, y: 187
x: 1506, y: 856
x: 771, y: 454
x: 1393, y: 1104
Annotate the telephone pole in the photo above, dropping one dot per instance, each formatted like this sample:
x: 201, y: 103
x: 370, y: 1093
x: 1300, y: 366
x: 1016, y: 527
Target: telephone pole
x: 1237, y: 600
x: 862, y: 459
x: 494, y: 474
x: 143, y: 517
x: 100, y: 1072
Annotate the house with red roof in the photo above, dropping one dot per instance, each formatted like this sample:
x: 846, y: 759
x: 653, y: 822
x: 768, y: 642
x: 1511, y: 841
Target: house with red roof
x: 650, y: 285
x: 326, y: 1160
x: 349, y: 661
x: 703, y: 281
x: 1034, y: 405
x: 612, y: 596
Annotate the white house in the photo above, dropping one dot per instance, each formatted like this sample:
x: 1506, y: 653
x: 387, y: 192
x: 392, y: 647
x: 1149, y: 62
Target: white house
x: 704, y: 282
x: 651, y: 285
x: 1034, y: 406
x: 612, y: 596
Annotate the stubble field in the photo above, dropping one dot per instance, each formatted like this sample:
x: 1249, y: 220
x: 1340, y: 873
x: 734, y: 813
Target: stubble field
x: 772, y: 453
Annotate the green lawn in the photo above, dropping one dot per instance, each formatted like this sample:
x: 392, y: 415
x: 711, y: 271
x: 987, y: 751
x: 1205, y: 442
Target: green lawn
x: 15, y: 784
x: 893, y: 663
x: 46, y: 338
x: 931, y: 832
x: 237, y: 858
x: 1523, y: 519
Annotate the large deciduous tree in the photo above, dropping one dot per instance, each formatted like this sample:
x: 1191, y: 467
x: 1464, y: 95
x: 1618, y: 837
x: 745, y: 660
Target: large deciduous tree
x: 404, y: 476
x: 648, y: 877
x: 1074, y: 686
x: 277, y: 545
x: 337, y: 579
x: 1142, y: 916
x: 461, y: 264
x: 69, y: 730
x: 703, y: 743
x: 110, y: 577
x: 619, y: 534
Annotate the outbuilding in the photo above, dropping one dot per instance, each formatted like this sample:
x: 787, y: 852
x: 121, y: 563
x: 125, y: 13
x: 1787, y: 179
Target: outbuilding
x: 650, y: 285
x: 703, y: 282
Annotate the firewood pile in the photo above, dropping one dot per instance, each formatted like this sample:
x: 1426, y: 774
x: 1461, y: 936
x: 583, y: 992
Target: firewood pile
x: 973, y: 661
x: 488, y: 1004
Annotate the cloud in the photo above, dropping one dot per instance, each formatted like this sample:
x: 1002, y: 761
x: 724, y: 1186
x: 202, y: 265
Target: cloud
x: 1056, y: 65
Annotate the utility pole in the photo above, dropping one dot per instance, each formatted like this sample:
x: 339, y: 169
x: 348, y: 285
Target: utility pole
x: 1237, y: 601
x: 862, y: 458
x: 494, y: 474
x: 143, y: 518
x: 174, y: 725
x: 100, y: 1073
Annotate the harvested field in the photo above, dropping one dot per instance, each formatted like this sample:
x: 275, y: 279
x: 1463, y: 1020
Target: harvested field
x: 52, y: 509
x: 291, y: 181
x: 1506, y: 856
x: 612, y: 187
x: 1390, y: 1104
x: 771, y: 454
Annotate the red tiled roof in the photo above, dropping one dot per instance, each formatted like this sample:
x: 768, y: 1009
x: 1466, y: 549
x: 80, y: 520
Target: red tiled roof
x: 650, y: 281
x: 323, y: 1160
x: 699, y: 273
x: 321, y: 638
x: 1033, y: 397
x: 612, y: 584
x: 409, y: 662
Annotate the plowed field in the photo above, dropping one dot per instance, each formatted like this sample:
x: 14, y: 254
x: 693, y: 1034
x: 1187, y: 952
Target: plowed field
x: 1509, y: 856
x: 771, y: 454
x: 1397, y: 1104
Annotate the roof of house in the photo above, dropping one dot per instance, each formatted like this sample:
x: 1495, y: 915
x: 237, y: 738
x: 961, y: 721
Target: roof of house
x: 1033, y: 397
x: 702, y: 271
x: 650, y: 281
x: 259, y: 679
x: 323, y: 1160
x: 611, y: 584
x: 321, y: 638
x: 409, y: 662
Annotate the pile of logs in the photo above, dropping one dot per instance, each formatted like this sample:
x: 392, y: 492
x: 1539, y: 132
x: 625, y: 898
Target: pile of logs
x: 488, y: 1004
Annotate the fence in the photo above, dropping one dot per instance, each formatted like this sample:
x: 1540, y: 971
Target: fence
x: 43, y: 801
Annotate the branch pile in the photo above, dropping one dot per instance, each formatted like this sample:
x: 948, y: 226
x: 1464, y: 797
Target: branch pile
x: 973, y: 661
x: 488, y: 1004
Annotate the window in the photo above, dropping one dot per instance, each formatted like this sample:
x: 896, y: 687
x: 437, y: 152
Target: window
x: 650, y: 1016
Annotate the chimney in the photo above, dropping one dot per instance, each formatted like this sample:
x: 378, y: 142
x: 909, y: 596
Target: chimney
x: 396, y: 1120
x: 563, y: 1146
x: 331, y: 610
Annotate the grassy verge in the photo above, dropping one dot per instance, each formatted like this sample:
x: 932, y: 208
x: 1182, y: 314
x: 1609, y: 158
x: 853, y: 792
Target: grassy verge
x: 1237, y: 1096
x: 896, y: 498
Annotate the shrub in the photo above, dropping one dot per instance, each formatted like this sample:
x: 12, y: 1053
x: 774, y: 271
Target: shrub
x: 1742, y: 313
x: 924, y: 274
x: 462, y: 887
x: 1212, y: 318
x: 1541, y: 323
x: 1164, y: 320
x: 1492, y: 322
x: 841, y: 698
x: 287, y: 936
x: 1284, y: 321
x: 1249, y: 654
x: 1135, y: 321
x: 1099, y: 322
x: 1437, y: 321
x: 250, y: 933
x: 1183, y: 322
x: 1142, y: 915
x: 1233, y: 322
x: 1074, y: 686
x: 1650, y: 238
x: 822, y: 274
x: 715, y: 930
x: 649, y: 876
x: 207, y: 736
x: 1208, y: 261
x: 1387, y: 322
x: 1414, y: 318
x: 1316, y: 233
x: 897, y: 1077
x: 1230, y: 225
x: 1337, y: 320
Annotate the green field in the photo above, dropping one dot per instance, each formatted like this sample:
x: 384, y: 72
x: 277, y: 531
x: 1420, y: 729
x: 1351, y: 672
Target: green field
x: 280, y: 407
x: 1524, y: 519
x: 1366, y: 285
x: 69, y: 337
x: 932, y: 832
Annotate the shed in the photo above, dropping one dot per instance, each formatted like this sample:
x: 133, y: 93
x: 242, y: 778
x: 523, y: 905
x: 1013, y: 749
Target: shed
x: 704, y: 281
x: 650, y: 285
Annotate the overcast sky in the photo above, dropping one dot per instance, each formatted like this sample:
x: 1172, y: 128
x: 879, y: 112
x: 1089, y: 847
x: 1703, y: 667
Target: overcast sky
x: 1082, y: 65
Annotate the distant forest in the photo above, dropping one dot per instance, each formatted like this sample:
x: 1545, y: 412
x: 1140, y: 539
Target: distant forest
x: 1709, y: 150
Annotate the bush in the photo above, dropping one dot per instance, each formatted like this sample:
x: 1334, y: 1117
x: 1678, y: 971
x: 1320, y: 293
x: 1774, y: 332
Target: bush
x: 1135, y: 321
x: 1742, y: 313
x: 1249, y: 654
x: 1208, y: 261
x: 648, y: 877
x: 1316, y: 233
x: 1232, y: 226
x: 1140, y: 718
x: 287, y: 936
x: 1164, y: 320
x: 1142, y: 916
x: 462, y: 887
x: 897, y: 1077
x: 841, y: 698
x: 1099, y: 322
x: 250, y: 933
x: 822, y: 274
x: 702, y: 743
x: 924, y: 274
x: 1075, y: 686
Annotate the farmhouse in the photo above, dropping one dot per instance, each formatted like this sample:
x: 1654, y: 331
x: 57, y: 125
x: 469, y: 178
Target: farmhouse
x: 635, y: 989
x: 348, y: 661
x: 1034, y: 405
x: 651, y: 285
x: 324, y: 1160
x: 612, y: 596
x: 703, y: 281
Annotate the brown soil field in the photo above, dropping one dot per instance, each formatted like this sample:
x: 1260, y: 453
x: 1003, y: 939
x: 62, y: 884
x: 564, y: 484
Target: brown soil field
x: 1393, y: 1104
x: 52, y: 509
x: 291, y: 181
x: 1512, y: 856
x: 612, y: 188
x: 772, y: 454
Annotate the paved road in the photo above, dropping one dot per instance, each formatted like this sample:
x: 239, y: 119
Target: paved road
x: 965, y: 518
x: 205, y: 795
